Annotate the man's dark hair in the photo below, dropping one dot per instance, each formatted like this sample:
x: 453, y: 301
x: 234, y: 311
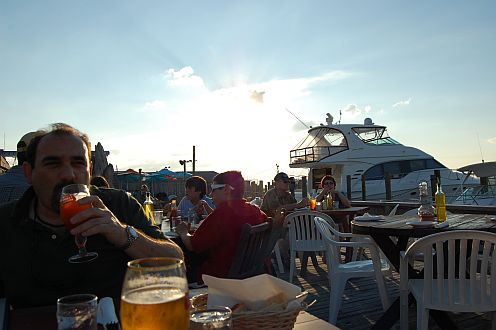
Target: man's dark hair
x: 57, y: 129
x: 235, y: 180
x: 99, y: 181
x: 198, y: 183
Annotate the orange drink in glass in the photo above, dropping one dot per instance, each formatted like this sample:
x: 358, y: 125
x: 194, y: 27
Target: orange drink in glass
x: 69, y: 207
x: 313, y: 203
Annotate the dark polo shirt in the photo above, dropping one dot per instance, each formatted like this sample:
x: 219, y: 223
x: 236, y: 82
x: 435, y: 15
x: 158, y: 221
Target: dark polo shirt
x: 34, y: 270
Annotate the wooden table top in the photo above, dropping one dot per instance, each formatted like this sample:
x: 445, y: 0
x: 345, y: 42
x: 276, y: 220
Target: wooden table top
x: 308, y: 321
x: 44, y: 318
x: 346, y: 211
x: 397, y: 225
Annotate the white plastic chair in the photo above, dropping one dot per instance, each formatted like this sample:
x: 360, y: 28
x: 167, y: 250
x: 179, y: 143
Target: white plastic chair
x: 470, y: 289
x: 393, y: 211
x: 303, y: 235
x: 339, y: 273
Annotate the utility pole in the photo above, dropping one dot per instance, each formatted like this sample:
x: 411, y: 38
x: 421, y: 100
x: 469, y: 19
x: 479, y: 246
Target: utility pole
x: 194, y: 160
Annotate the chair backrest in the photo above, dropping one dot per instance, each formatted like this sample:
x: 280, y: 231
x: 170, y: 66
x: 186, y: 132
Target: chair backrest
x: 393, y: 210
x: 303, y: 234
x: 329, y: 235
x: 251, y: 251
x: 462, y: 268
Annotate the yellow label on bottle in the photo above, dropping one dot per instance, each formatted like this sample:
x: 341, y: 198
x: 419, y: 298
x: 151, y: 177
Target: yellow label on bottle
x: 149, y: 212
x: 441, y: 207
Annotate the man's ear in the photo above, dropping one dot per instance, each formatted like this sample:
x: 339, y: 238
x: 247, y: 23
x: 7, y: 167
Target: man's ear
x: 28, y: 172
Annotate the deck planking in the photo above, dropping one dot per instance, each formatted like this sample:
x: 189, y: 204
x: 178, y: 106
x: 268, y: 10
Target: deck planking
x: 361, y: 306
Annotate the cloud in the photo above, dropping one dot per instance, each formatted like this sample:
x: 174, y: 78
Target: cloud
x: 492, y: 140
x: 184, y: 77
x: 402, y: 103
x: 156, y: 105
x: 352, y: 110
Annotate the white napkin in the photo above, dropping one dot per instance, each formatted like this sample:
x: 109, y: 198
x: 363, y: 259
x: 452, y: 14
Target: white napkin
x: 105, y: 313
x: 255, y: 292
x: 369, y: 217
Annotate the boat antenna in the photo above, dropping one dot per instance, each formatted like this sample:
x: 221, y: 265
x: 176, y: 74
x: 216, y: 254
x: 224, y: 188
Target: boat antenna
x: 298, y: 118
x: 339, y: 121
x: 480, y: 148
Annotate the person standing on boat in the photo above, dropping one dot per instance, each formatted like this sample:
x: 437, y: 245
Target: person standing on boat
x: 279, y: 197
x: 328, y: 184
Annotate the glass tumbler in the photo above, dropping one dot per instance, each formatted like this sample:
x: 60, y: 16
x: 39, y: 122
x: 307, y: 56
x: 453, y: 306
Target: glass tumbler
x: 77, y: 312
x: 213, y: 318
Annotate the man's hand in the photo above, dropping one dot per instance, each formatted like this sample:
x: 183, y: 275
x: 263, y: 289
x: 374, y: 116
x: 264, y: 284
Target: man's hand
x: 182, y: 228
x: 99, y: 220
x: 279, y: 216
x: 302, y: 203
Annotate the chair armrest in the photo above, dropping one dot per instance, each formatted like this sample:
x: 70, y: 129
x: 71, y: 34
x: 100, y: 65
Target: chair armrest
x: 369, y: 245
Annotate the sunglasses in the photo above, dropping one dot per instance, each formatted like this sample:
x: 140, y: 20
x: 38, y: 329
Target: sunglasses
x: 216, y: 186
x: 328, y: 183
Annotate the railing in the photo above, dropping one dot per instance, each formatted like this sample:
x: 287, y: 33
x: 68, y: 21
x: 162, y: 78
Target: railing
x: 380, y: 207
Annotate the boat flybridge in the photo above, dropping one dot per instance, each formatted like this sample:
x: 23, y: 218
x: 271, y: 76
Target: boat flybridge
x: 357, y: 150
x: 485, y: 193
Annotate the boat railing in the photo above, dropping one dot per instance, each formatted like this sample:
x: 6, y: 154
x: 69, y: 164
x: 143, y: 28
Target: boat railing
x: 313, y: 154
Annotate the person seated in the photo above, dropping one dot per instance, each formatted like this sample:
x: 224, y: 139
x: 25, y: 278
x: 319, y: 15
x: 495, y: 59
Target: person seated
x: 13, y: 183
x: 35, y: 245
x: 328, y: 185
x: 196, y: 198
x: 99, y: 181
x: 218, y: 235
x: 279, y: 197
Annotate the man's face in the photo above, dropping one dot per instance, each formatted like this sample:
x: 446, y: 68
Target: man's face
x: 192, y: 194
x: 282, y: 184
x: 60, y: 160
x: 219, y: 194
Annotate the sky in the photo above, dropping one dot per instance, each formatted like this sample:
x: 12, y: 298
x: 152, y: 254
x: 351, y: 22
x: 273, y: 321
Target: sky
x: 151, y: 79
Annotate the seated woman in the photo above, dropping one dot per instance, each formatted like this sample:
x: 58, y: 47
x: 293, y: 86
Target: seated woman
x: 328, y: 184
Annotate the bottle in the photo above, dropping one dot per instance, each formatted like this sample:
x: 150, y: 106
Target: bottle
x: 173, y: 212
x: 148, y: 206
x: 440, y: 203
x: 192, y: 216
x: 330, y: 202
x: 426, y: 210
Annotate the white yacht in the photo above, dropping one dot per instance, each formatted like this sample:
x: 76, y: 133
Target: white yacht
x: 356, y: 150
x: 483, y: 194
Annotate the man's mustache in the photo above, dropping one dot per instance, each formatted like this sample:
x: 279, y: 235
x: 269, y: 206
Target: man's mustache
x: 57, y: 191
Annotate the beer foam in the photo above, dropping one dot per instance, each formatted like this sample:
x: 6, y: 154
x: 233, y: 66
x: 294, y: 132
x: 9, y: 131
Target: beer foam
x: 153, y: 295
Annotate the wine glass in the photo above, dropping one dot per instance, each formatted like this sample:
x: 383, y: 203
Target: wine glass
x: 69, y: 207
x: 155, y: 295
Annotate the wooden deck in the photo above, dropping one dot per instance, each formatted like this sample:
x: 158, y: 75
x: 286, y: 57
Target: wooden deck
x: 361, y: 306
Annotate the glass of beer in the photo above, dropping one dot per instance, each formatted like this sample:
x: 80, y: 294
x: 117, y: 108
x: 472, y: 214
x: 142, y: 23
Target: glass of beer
x: 69, y: 207
x: 155, y: 295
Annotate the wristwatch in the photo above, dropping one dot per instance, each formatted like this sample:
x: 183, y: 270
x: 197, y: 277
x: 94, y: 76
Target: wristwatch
x: 132, y: 236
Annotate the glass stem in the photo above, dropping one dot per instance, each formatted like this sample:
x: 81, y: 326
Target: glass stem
x: 81, y: 243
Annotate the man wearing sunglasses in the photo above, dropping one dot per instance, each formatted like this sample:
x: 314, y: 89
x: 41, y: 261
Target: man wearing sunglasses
x: 279, y: 197
x: 218, y: 235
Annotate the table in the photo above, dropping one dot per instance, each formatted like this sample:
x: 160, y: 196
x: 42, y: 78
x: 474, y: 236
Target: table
x: 44, y: 318
x: 346, y: 215
x: 395, y: 226
x: 308, y: 321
